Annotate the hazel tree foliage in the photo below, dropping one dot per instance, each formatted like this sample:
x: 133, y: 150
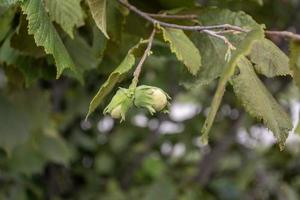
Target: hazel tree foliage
x: 70, y: 63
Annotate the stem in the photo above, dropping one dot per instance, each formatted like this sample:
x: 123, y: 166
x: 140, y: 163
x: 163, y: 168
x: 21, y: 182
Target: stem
x: 226, y: 27
x: 286, y: 34
x: 167, y: 16
x: 138, y: 69
x: 226, y: 41
x: 176, y: 26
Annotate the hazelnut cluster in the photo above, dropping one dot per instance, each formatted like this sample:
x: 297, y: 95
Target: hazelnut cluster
x: 151, y: 98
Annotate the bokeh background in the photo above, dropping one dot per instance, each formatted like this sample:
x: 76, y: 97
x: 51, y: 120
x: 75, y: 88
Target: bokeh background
x: 48, y: 150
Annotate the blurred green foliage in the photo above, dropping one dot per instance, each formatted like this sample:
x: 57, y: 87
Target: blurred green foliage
x: 48, y: 150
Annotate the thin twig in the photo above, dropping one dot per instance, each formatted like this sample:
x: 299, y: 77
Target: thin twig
x: 224, y: 27
x: 226, y: 41
x: 176, y: 26
x: 147, y: 52
x: 230, y: 46
x: 285, y: 34
x: 226, y: 31
x: 167, y: 16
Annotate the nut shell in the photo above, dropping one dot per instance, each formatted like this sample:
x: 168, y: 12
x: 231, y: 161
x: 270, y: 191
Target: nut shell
x: 116, y: 112
x: 160, y: 100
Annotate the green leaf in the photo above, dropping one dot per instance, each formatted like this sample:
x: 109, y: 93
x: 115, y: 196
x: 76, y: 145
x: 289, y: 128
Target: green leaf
x: 183, y: 48
x: 14, y: 126
x: 297, y: 129
x: 7, y: 54
x: 115, y: 77
x: 32, y: 156
x: 169, y: 4
x: 258, y: 101
x: 54, y: 148
x: 243, y: 49
x: 82, y: 54
x: 161, y: 189
x: 6, y: 19
x: 24, y: 43
x: 45, y: 35
x: 295, y: 61
x: 68, y: 14
x: 268, y: 59
x: 104, y: 163
x: 98, y: 9
x: 9, y: 2
x: 32, y: 69
x: 212, y: 49
x: 26, y: 159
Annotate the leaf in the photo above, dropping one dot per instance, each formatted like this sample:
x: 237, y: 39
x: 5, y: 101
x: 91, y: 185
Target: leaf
x: 32, y: 69
x: 45, y: 35
x: 268, y: 59
x: 7, y: 54
x: 26, y: 159
x: 98, y: 9
x: 259, y: 2
x: 258, y: 101
x: 297, y: 129
x: 14, y: 126
x: 24, y: 43
x: 212, y: 49
x: 176, y: 3
x: 163, y: 188
x: 68, y: 14
x: 116, y: 22
x: 6, y: 19
x: 32, y: 156
x: 9, y: 2
x: 243, y: 49
x: 82, y: 54
x: 295, y: 61
x: 113, y: 79
x: 183, y: 48
x: 55, y: 149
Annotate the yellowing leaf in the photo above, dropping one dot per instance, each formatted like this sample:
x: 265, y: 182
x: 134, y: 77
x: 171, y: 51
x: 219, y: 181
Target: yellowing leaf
x: 67, y: 13
x: 98, y: 9
x: 268, y: 59
x: 113, y: 79
x: 258, y: 101
x: 183, y: 48
x: 295, y: 61
x: 45, y: 35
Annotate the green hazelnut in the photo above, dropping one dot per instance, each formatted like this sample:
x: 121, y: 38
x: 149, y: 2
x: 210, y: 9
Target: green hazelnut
x: 159, y: 98
x: 116, y: 113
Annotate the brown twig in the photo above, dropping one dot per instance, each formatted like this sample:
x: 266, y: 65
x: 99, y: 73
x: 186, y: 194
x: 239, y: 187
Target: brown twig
x: 167, y: 16
x: 285, y: 34
x: 176, y: 26
x: 147, y: 52
x: 223, y: 27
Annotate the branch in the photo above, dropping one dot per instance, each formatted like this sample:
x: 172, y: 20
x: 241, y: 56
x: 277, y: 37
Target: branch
x: 167, y: 16
x: 225, y: 27
x: 147, y: 52
x: 285, y: 34
x: 226, y: 41
x: 176, y: 26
